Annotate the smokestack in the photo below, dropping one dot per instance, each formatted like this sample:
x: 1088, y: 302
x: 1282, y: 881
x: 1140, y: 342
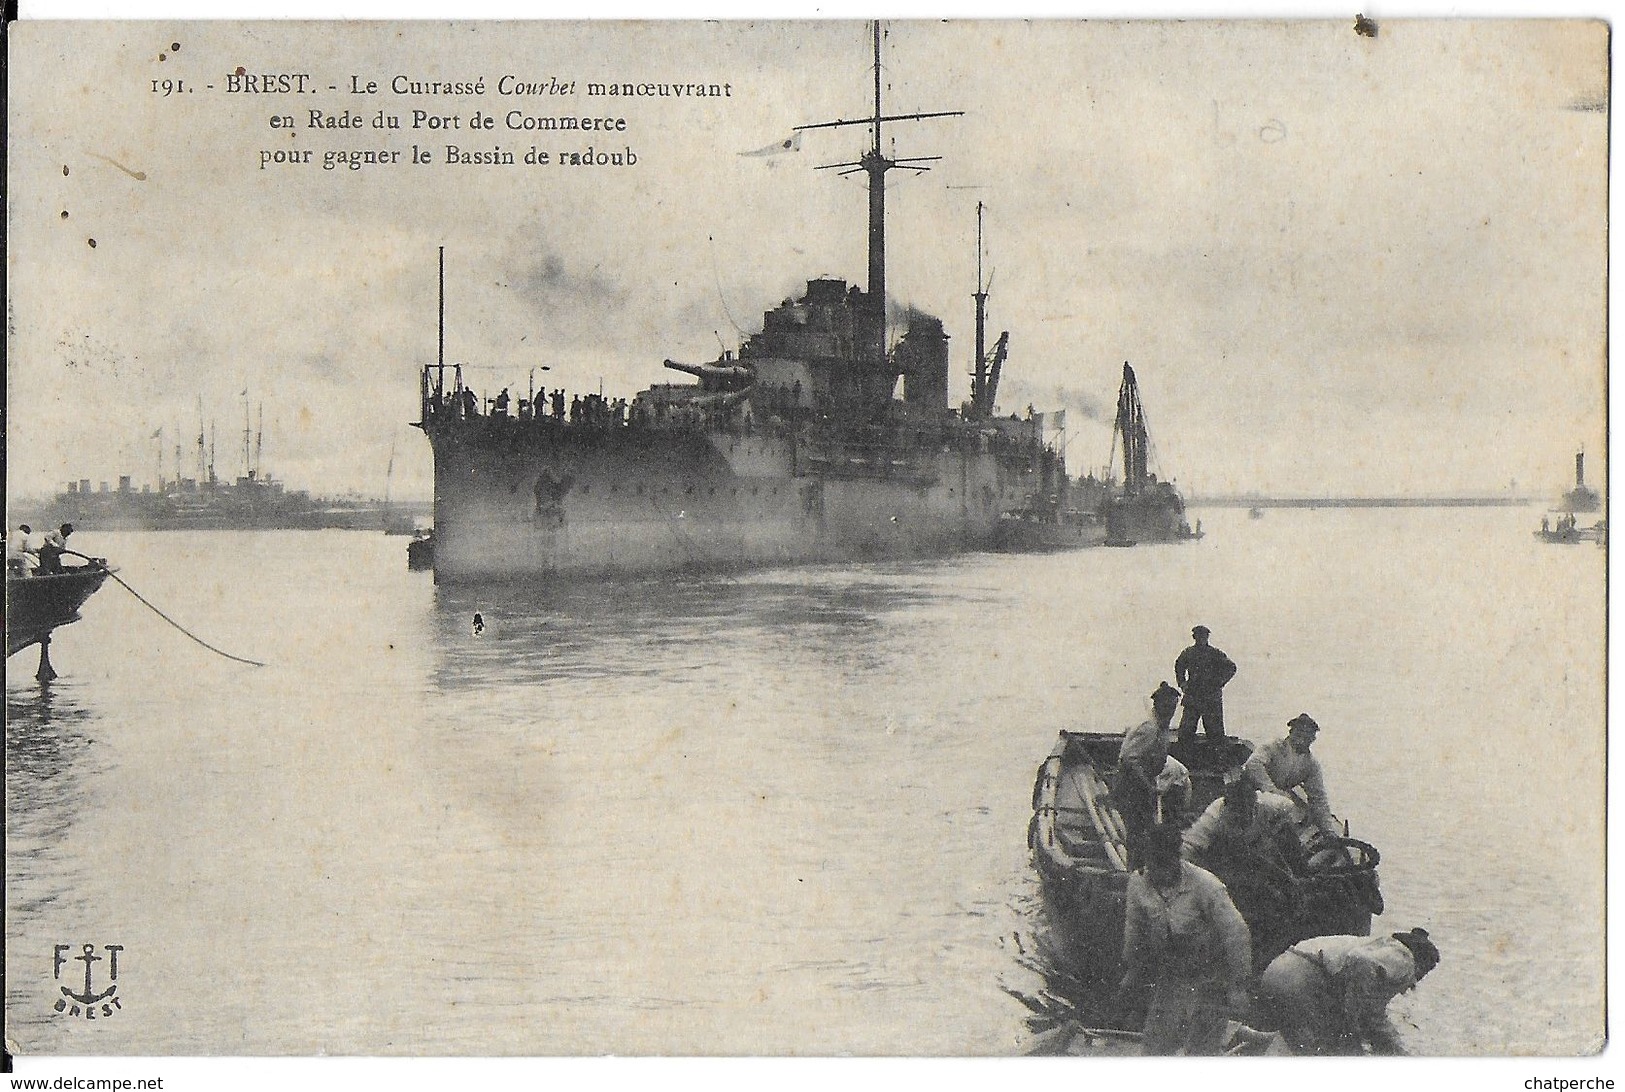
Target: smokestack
x: 1579, y: 469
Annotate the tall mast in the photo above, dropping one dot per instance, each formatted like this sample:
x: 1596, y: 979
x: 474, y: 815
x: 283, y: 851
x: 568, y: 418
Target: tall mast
x: 875, y: 164
x: 978, y: 390
x: 248, y: 453
x: 259, y: 439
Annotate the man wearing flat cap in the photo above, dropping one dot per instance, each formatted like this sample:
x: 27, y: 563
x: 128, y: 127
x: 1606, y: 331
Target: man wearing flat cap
x: 1201, y: 671
x: 1286, y: 764
x: 1140, y: 761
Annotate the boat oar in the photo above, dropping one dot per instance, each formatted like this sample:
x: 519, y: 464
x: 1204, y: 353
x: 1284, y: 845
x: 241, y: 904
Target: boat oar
x: 1102, y: 795
x: 102, y: 565
x: 1108, y: 840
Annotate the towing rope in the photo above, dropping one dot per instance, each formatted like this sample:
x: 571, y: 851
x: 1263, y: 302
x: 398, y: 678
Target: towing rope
x: 102, y: 565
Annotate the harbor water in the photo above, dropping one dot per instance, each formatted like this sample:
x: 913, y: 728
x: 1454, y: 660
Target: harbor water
x: 764, y: 814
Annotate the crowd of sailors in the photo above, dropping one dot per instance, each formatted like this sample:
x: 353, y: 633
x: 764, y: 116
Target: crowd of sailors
x: 771, y: 408
x: 1198, y: 893
x: 32, y: 553
x: 588, y: 409
x: 713, y: 412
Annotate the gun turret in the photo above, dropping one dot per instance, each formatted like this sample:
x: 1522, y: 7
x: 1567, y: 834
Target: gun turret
x: 715, y: 377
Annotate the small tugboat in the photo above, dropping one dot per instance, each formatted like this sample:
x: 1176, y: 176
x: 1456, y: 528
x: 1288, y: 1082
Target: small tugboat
x: 1145, y: 509
x: 1565, y: 530
x: 37, y: 605
x: 1582, y: 498
x: 1079, y: 846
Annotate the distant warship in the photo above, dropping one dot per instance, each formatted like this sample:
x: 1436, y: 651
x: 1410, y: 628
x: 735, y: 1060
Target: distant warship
x: 794, y: 449
x: 252, y: 501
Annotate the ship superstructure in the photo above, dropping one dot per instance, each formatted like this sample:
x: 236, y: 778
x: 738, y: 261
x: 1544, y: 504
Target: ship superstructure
x: 796, y: 448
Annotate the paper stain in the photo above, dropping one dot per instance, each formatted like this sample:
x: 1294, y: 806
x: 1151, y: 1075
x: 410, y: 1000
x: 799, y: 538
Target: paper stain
x: 139, y: 176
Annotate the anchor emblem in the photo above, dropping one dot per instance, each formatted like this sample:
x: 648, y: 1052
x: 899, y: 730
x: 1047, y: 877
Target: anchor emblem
x: 89, y: 958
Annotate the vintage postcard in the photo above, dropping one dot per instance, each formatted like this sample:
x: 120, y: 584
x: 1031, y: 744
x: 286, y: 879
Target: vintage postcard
x: 968, y: 538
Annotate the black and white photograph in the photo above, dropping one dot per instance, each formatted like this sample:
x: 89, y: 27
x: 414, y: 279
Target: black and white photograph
x: 970, y: 538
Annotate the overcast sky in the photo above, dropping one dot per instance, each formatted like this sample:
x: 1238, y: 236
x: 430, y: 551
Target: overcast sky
x: 1338, y: 263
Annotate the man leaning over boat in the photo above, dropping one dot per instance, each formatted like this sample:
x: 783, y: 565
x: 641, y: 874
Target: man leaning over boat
x: 1330, y: 995
x: 51, y: 551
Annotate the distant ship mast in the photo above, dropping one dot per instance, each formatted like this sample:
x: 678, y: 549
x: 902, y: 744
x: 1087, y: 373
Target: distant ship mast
x: 876, y: 164
x: 985, y: 379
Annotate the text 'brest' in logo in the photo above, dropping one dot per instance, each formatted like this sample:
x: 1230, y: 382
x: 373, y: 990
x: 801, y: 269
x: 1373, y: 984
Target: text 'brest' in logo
x: 91, y: 1003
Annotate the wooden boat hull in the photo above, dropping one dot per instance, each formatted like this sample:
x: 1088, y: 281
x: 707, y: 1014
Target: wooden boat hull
x: 36, y: 605
x: 1079, y: 849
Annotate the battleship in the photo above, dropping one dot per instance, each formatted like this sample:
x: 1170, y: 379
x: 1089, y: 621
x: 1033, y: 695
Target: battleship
x: 253, y: 500
x: 248, y: 503
x: 794, y: 448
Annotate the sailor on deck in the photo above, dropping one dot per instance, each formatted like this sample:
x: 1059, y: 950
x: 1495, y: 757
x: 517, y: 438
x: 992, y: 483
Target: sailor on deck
x: 1140, y: 761
x: 22, y: 551
x: 1242, y: 822
x: 1184, y: 936
x: 1202, y: 671
x: 1329, y: 995
x: 1248, y: 840
x: 1286, y: 764
x: 52, y: 549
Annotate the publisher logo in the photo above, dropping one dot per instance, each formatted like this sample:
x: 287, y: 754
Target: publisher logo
x: 99, y: 995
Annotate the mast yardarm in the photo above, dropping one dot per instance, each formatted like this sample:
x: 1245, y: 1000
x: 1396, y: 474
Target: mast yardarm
x: 875, y: 164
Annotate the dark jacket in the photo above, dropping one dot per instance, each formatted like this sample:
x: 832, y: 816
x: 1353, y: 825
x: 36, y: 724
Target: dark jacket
x: 1202, y: 671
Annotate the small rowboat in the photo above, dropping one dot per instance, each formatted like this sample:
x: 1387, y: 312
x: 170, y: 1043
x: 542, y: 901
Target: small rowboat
x: 1079, y: 847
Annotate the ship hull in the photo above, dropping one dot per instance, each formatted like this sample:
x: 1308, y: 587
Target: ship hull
x: 536, y: 498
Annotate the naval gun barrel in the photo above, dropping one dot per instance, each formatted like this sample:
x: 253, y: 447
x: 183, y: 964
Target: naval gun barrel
x: 715, y: 377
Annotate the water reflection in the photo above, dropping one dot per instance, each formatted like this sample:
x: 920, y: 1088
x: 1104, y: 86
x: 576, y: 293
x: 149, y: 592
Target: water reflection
x: 648, y: 628
x: 49, y: 762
